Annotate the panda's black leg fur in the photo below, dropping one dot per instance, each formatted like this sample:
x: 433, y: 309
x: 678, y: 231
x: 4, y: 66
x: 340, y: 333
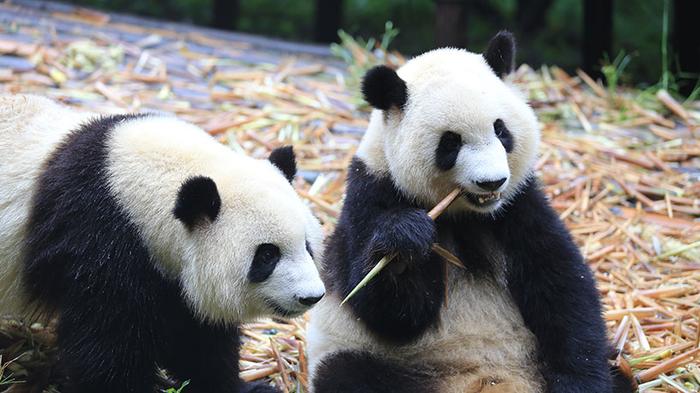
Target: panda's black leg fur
x: 359, y: 372
x: 207, y: 356
x: 556, y: 295
x: 105, y: 353
x: 405, y: 298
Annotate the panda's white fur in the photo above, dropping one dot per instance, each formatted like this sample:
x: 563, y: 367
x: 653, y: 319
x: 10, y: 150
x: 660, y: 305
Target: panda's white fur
x: 456, y: 90
x: 149, y: 158
x: 30, y: 129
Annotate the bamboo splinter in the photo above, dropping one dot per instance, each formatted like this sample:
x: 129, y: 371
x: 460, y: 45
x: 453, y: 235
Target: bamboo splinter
x: 434, y: 213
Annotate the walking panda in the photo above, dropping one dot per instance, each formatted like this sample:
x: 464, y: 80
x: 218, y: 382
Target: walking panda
x: 150, y: 240
x: 524, y: 315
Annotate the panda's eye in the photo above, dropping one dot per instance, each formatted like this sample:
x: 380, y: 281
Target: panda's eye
x: 266, y: 257
x: 503, y: 135
x: 448, y: 150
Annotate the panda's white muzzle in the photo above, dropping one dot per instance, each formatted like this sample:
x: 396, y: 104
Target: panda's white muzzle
x: 483, y: 174
x: 294, y: 287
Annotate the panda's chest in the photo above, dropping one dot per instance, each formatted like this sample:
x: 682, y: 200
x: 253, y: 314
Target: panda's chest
x: 481, y: 343
x: 476, y: 248
x: 480, y: 334
x: 477, y: 296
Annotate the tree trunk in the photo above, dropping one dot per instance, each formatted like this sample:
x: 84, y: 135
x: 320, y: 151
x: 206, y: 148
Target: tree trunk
x: 686, y: 40
x: 597, y: 34
x: 329, y: 16
x: 225, y: 14
x: 531, y: 15
x: 450, y: 23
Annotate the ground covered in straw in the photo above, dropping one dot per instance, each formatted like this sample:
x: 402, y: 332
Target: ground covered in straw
x: 621, y: 167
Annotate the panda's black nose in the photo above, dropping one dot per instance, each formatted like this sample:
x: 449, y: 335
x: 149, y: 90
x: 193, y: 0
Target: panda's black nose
x: 491, y: 185
x: 309, y: 301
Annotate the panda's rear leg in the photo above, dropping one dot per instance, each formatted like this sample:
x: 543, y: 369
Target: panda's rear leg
x: 361, y: 372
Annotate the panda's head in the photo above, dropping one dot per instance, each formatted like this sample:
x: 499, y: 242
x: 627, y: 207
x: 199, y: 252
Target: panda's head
x: 447, y: 119
x: 250, y: 243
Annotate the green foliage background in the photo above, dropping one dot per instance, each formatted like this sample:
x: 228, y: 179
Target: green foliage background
x: 637, y: 25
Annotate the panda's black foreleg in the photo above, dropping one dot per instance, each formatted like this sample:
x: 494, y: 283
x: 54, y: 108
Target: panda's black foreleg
x: 207, y: 356
x: 405, y: 298
x: 556, y: 295
x: 103, y: 350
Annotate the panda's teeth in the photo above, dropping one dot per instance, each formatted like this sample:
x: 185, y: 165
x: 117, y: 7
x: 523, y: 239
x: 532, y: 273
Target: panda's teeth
x: 481, y: 200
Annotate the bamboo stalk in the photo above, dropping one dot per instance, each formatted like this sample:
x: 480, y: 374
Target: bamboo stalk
x: 672, y: 104
x: 448, y: 256
x: 280, y: 363
x: 434, y: 213
x: 668, y: 365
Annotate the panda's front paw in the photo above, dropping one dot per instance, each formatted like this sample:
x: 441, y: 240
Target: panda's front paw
x: 259, y: 387
x: 408, y: 232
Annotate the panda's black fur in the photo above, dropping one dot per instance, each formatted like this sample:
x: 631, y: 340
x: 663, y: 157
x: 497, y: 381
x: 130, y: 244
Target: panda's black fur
x: 500, y: 53
x: 117, y: 320
x: 197, y: 199
x: 383, y: 89
x: 363, y: 372
x: 544, y: 272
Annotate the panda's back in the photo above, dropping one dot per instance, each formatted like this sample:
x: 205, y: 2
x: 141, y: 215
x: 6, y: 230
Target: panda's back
x: 31, y: 128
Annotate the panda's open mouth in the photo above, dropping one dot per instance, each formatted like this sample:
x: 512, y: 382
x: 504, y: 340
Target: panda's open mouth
x: 483, y: 200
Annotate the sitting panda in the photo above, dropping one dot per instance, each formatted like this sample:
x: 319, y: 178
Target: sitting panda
x: 524, y: 315
x: 150, y: 240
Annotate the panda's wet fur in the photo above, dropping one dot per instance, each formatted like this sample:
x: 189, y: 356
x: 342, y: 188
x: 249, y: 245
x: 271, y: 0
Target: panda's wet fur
x: 93, y: 231
x: 523, y: 317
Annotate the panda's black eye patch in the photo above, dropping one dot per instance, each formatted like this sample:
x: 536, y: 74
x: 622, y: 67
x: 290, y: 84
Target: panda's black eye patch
x: 447, y: 150
x: 503, y: 135
x: 266, y: 257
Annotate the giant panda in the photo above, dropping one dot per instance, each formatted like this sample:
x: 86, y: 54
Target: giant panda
x: 524, y: 316
x: 151, y: 241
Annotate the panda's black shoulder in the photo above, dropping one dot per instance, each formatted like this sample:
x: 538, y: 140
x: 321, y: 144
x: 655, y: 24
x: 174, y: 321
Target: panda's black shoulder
x: 531, y: 207
x: 74, y: 220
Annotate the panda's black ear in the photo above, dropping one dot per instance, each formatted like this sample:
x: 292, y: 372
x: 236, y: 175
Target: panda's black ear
x: 283, y: 158
x: 383, y: 88
x: 198, y: 199
x: 500, y: 54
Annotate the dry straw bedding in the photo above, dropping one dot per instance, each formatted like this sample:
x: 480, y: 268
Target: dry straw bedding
x: 621, y: 168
